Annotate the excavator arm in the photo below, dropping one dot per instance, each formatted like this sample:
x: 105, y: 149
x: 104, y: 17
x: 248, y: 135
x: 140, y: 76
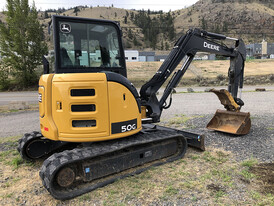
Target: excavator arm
x: 186, y: 47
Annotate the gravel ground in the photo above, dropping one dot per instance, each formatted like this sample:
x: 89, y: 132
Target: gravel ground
x: 259, y: 143
x: 19, y: 123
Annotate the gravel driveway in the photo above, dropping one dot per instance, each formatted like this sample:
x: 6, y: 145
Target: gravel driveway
x: 259, y: 143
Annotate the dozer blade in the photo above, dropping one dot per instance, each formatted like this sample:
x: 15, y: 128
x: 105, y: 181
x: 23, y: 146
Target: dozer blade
x: 230, y: 122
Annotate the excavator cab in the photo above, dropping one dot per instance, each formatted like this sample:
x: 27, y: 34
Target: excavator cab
x: 87, y: 46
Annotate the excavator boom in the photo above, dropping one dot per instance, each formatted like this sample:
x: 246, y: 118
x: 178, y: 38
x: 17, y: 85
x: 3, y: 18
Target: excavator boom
x: 186, y: 47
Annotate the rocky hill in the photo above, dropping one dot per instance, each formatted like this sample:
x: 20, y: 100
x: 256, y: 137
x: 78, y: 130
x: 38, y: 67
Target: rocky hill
x: 252, y: 20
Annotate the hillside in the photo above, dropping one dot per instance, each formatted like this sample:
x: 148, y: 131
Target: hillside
x: 251, y: 20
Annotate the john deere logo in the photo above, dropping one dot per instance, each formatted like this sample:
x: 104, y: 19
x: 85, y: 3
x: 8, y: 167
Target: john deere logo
x: 65, y: 28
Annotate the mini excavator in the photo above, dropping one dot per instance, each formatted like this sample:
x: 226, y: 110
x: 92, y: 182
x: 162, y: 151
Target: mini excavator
x: 96, y: 127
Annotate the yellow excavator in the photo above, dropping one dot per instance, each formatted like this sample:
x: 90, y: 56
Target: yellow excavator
x: 96, y: 127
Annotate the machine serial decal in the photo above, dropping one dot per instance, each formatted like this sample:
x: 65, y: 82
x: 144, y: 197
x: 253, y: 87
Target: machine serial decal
x: 120, y: 127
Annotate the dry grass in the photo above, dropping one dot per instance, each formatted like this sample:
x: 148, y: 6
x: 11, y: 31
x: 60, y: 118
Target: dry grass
x: 4, y: 109
x: 140, y: 72
x: 208, y: 178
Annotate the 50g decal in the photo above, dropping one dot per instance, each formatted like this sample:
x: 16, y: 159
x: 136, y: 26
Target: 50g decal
x: 128, y: 127
x: 120, y: 127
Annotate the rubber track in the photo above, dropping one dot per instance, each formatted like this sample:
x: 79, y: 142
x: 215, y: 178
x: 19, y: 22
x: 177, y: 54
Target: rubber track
x: 24, y: 141
x: 55, y: 162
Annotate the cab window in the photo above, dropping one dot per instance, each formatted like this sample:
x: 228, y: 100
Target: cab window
x: 88, y: 45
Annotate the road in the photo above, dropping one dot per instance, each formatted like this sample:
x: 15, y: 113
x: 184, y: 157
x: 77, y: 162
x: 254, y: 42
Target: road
x: 257, y: 103
x: 30, y: 96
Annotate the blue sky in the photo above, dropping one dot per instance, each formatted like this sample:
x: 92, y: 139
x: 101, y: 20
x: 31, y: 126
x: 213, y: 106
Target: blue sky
x: 164, y: 5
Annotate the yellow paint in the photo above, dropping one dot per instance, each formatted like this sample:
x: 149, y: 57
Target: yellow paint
x: 41, y: 92
x: 48, y: 127
x: 144, y: 112
x: 122, y: 105
x: 231, y: 100
x: 113, y: 103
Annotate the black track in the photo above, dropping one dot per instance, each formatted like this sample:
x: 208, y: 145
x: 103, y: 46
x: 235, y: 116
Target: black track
x: 33, y: 146
x: 57, y: 161
x: 25, y: 141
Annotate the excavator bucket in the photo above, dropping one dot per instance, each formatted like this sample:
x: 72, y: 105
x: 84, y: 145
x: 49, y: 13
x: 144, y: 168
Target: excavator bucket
x: 232, y: 121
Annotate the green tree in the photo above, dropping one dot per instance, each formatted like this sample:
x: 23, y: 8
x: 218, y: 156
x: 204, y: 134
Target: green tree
x: 167, y: 46
x: 46, y: 15
x: 204, y: 23
x: 130, y: 35
x: 125, y: 19
x: 76, y: 9
x: 162, y: 45
x: 22, y: 42
x: 217, y: 28
x: 131, y: 16
x: 225, y: 26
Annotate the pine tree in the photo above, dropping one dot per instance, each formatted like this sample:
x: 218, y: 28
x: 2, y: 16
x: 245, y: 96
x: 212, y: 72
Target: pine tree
x: 131, y: 16
x: 167, y: 46
x: 204, y: 24
x: 225, y: 26
x: 125, y: 19
x: 130, y: 35
x: 22, y: 42
x: 135, y: 42
x: 46, y: 15
x: 76, y: 9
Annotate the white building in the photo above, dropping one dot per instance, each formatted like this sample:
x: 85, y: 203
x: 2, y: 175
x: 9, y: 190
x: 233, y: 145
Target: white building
x: 132, y: 55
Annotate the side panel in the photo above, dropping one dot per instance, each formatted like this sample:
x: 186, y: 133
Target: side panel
x: 80, y: 115
x: 124, y: 113
x: 48, y: 127
x: 86, y: 107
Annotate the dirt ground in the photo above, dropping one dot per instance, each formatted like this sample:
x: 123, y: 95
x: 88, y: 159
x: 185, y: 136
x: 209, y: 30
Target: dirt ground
x: 212, y: 177
x: 265, y: 174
